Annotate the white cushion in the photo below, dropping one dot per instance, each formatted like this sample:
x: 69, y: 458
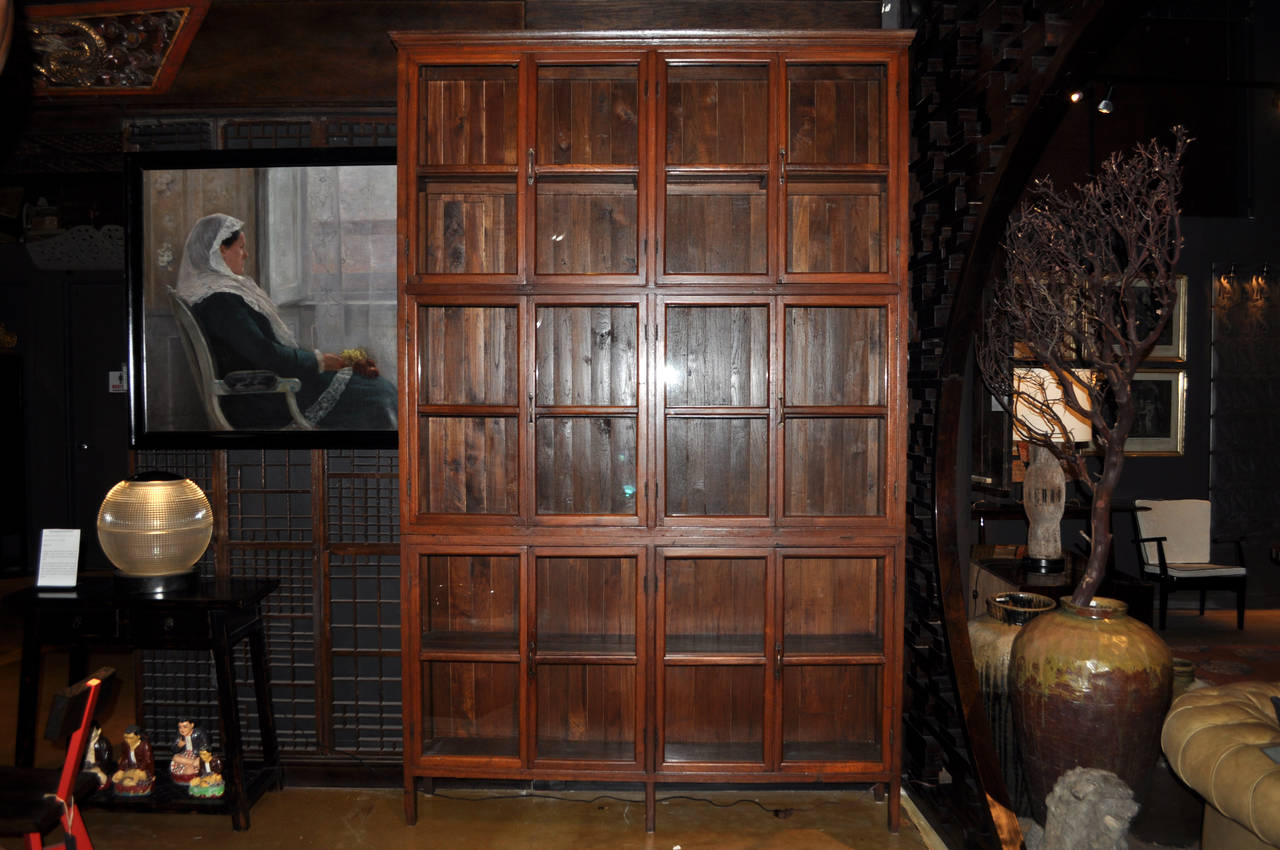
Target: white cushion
x: 1183, y: 522
x: 1197, y: 570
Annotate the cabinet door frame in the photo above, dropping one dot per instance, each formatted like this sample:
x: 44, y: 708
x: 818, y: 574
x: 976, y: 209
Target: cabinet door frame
x: 892, y: 411
x: 767, y: 662
x: 534, y: 172
x: 534, y: 411
x: 412, y: 412
x: 767, y: 411
x: 416, y: 654
x: 536, y: 656
x: 410, y: 149
x: 894, y: 277
x: 889, y: 606
x: 667, y: 58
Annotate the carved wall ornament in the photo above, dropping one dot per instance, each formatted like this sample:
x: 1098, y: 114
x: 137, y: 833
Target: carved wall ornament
x: 126, y: 47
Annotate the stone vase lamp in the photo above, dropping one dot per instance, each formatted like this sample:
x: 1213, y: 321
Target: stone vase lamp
x: 1064, y: 333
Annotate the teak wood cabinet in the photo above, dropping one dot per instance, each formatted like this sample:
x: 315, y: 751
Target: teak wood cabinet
x: 653, y: 417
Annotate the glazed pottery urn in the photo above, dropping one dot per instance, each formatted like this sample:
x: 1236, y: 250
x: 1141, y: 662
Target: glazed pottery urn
x: 1090, y: 686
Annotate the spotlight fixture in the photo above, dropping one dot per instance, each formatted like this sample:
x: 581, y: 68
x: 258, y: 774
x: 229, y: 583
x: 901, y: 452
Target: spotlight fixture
x: 1076, y: 96
x: 1105, y: 105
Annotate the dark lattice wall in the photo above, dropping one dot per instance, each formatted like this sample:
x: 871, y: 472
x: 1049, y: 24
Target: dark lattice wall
x: 324, y: 524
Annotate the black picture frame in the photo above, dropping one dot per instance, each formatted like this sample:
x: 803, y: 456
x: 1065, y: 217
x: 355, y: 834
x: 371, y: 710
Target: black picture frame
x: 343, y: 275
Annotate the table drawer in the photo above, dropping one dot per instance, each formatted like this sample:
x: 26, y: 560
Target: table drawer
x: 160, y: 627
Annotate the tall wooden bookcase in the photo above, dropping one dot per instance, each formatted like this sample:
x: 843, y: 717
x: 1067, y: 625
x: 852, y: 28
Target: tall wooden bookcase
x: 653, y: 417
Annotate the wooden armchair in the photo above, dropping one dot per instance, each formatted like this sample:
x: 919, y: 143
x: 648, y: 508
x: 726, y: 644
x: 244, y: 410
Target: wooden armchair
x: 34, y: 801
x: 212, y: 388
x: 1175, y: 550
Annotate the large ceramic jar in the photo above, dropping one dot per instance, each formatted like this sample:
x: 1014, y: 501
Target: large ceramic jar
x: 991, y: 641
x: 1090, y: 686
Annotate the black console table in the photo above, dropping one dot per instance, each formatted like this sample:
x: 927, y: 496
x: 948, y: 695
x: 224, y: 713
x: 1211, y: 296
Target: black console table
x: 212, y: 616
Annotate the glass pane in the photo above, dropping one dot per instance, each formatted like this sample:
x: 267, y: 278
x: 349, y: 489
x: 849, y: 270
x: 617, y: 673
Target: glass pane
x: 717, y: 466
x: 836, y: 115
x: 586, y: 356
x: 714, y: 714
x: 469, y: 225
x: 715, y: 606
x: 834, y: 466
x: 837, y: 226
x: 587, y: 225
x: 470, y: 708
x: 586, y: 465
x: 831, y: 713
x: 474, y: 461
x: 717, y: 356
x: 469, y: 115
x: 716, y: 114
x: 716, y: 225
x: 836, y: 355
x: 586, y: 711
x: 468, y: 355
x: 586, y: 605
x: 470, y: 602
x: 588, y: 115
x: 831, y: 605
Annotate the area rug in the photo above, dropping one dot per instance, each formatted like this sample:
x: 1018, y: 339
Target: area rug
x: 1219, y: 665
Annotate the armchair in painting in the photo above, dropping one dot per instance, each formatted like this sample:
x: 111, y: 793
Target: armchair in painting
x: 213, y: 389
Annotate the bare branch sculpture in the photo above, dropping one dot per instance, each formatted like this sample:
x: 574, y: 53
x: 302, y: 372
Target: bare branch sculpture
x: 1085, y: 270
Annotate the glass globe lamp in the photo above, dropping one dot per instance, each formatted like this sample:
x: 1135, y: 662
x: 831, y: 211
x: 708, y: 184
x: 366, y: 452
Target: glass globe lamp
x: 153, y: 527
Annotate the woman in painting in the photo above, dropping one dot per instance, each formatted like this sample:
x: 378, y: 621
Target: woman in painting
x: 245, y: 332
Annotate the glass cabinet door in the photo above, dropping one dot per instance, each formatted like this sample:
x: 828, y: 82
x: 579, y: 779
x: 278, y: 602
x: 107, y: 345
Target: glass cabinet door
x: 468, y: 167
x: 470, y: 654
x: 585, y: 169
x: 836, y: 163
x: 715, y: 181
x: 468, y: 424
x: 585, y: 664
x: 714, y: 667
x: 835, y: 361
x: 586, y: 409
x: 715, y: 385
x: 832, y: 659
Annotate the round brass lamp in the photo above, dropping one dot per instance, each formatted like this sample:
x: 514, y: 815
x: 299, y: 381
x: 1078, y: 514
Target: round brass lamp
x: 154, y: 526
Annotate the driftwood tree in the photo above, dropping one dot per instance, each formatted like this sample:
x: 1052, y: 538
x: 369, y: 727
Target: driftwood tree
x: 1089, y: 283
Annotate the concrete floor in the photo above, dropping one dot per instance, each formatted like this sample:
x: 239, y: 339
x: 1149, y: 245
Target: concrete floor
x: 476, y: 819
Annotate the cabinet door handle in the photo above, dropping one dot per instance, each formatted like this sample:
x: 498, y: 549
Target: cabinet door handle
x: 533, y: 660
x: 529, y: 170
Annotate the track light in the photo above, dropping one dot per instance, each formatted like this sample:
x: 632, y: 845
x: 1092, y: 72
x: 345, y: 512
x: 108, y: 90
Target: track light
x: 1076, y: 96
x: 1105, y: 105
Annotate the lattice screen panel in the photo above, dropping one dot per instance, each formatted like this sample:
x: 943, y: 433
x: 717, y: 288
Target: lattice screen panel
x: 364, y: 630
x: 289, y: 618
x: 362, y: 488
x: 333, y: 636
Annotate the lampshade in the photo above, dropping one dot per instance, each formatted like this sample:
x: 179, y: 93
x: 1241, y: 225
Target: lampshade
x: 1036, y: 391
x: 155, y: 525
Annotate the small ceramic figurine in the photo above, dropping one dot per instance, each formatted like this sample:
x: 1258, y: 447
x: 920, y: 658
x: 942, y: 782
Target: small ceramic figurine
x: 186, y: 747
x: 137, y: 773
x: 98, y: 757
x: 208, y: 781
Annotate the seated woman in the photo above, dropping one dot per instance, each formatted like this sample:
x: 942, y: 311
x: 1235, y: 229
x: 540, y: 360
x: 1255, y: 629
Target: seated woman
x: 245, y: 331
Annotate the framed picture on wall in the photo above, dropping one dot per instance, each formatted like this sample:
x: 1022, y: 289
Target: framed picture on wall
x: 263, y: 295
x: 1171, y: 347
x: 1159, y: 424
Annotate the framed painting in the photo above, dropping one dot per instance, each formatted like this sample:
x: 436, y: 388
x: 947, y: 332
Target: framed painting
x: 1159, y: 424
x: 263, y: 289
x: 1171, y: 347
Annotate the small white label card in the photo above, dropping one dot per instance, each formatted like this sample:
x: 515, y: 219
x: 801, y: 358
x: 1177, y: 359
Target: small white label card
x: 59, y: 557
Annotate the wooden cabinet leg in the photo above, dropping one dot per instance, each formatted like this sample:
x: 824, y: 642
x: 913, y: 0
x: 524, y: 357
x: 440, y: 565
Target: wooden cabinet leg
x: 895, y: 805
x: 877, y: 792
x: 410, y: 799
x: 650, y: 808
